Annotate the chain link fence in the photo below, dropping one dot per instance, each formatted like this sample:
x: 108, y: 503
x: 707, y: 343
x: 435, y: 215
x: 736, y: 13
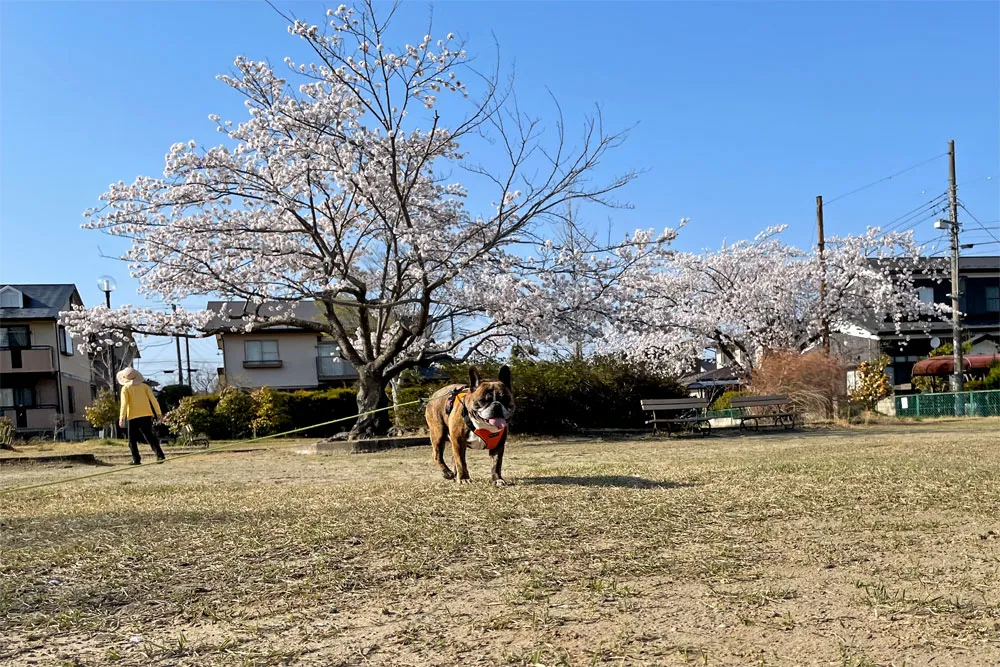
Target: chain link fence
x: 958, y: 404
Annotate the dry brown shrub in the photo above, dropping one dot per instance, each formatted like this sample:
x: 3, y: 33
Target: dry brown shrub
x: 814, y: 381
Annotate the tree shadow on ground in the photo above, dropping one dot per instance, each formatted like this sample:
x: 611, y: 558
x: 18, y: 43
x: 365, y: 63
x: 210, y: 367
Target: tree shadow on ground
x: 621, y: 481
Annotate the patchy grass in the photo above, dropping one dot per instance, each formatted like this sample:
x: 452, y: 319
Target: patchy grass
x: 856, y: 546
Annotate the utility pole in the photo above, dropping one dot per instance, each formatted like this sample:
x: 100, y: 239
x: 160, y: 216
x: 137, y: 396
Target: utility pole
x: 177, y: 342
x: 187, y: 354
x: 822, y: 275
x: 958, y: 379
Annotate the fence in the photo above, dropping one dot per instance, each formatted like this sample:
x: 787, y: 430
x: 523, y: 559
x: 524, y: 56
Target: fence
x: 965, y: 403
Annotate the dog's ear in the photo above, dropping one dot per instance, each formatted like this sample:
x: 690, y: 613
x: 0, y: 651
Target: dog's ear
x: 473, y: 378
x: 505, y: 376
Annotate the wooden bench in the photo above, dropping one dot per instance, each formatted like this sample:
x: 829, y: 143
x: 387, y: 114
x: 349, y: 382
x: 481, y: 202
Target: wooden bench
x: 192, y: 439
x: 685, y: 413
x: 775, y: 407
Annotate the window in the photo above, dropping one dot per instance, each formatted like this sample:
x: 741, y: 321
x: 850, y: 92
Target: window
x: 15, y: 336
x: 926, y: 294
x: 16, y: 396
x: 11, y: 298
x: 70, y: 400
x: 65, y: 341
x: 261, y: 353
x: 329, y: 349
x: 993, y: 299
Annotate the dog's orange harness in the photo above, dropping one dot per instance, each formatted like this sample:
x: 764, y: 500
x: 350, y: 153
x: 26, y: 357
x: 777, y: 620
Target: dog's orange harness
x: 490, y: 438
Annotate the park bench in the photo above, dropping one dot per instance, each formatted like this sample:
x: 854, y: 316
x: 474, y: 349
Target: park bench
x: 193, y: 439
x: 684, y: 413
x: 775, y: 407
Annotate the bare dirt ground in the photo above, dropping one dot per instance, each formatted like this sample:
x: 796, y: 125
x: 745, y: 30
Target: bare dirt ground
x: 864, y: 546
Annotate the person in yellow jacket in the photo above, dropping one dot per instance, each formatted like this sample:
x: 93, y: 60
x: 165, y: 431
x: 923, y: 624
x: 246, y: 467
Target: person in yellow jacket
x: 138, y: 408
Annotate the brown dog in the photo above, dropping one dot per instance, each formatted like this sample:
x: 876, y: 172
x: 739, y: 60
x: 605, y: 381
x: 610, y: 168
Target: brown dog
x: 471, y: 416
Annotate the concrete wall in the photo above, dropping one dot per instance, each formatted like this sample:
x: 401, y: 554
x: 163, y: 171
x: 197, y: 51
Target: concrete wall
x: 297, y: 351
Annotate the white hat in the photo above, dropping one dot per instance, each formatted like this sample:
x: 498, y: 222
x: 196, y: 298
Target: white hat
x: 129, y: 376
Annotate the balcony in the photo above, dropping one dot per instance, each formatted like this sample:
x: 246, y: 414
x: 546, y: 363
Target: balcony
x: 36, y: 359
x: 334, y: 368
x: 33, y: 418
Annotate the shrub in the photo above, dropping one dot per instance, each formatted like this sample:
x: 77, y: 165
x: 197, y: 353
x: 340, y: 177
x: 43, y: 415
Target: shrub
x: 312, y: 407
x: 104, y: 411
x: 989, y: 381
x: 198, y: 412
x: 236, y: 409
x: 723, y: 402
x: 812, y: 381
x: 872, y: 382
x: 412, y: 416
x: 270, y: 414
x: 6, y: 430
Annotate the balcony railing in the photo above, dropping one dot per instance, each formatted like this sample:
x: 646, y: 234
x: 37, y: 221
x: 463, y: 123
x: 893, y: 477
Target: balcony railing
x: 334, y: 368
x: 36, y: 359
x: 33, y: 418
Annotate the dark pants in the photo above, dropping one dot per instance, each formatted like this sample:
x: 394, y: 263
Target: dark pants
x: 142, y: 427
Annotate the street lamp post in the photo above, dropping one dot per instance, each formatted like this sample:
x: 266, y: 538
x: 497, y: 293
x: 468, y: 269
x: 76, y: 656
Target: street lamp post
x: 108, y: 285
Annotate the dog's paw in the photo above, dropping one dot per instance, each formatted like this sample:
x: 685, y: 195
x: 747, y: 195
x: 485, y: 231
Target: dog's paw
x: 464, y: 480
x: 447, y: 474
x: 500, y: 482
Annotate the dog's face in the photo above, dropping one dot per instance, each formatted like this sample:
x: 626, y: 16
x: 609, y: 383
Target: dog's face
x: 491, y: 400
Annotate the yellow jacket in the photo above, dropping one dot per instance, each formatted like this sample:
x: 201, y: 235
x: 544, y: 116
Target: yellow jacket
x: 138, y: 401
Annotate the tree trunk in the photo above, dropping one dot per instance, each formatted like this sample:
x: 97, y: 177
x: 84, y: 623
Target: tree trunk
x: 371, y: 396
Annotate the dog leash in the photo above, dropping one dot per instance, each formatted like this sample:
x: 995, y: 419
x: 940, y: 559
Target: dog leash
x: 220, y: 448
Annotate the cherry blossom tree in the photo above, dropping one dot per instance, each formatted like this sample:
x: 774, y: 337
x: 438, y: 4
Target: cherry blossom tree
x: 763, y: 294
x: 340, y: 188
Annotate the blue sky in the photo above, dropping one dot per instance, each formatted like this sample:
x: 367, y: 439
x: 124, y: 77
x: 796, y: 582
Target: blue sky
x: 743, y: 112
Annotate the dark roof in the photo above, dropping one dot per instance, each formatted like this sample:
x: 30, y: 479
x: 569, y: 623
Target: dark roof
x: 979, y: 262
x: 42, y: 302
x: 230, y: 313
x: 965, y: 262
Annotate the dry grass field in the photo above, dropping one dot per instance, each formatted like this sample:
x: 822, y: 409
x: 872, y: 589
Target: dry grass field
x: 854, y: 547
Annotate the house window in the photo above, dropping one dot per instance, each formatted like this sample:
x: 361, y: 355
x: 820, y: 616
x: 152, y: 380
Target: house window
x: 70, y: 400
x: 993, y: 298
x: 11, y: 298
x: 16, y: 396
x: 926, y: 294
x: 15, y: 336
x: 65, y: 341
x: 261, y: 353
x: 329, y: 349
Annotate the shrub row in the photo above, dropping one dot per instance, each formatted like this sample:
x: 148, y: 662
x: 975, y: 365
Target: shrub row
x: 552, y: 397
x: 235, y: 414
x: 555, y: 397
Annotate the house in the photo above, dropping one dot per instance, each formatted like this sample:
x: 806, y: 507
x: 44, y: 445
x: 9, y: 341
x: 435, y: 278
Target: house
x: 45, y: 383
x: 980, y: 305
x: 285, y: 357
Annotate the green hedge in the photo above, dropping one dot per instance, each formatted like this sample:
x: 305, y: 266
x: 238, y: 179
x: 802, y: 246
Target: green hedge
x: 553, y: 397
x: 312, y: 407
x: 556, y: 397
x: 303, y: 408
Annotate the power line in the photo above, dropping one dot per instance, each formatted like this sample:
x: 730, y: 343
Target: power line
x: 929, y: 207
x: 883, y: 179
x: 984, y: 227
